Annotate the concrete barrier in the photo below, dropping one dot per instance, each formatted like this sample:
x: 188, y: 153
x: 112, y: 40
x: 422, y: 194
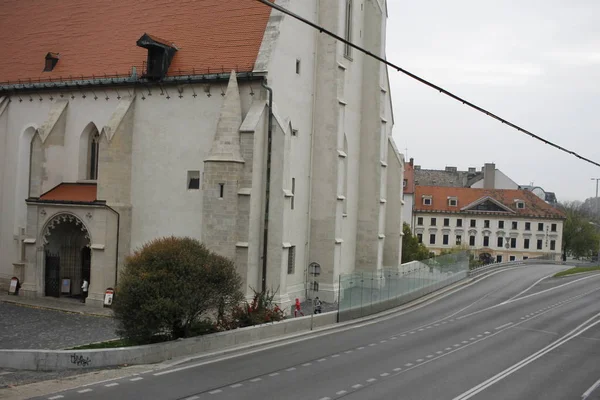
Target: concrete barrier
x: 52, y: 360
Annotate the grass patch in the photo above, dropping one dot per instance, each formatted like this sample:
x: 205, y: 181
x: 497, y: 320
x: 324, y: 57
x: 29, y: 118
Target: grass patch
x: 576, y: 270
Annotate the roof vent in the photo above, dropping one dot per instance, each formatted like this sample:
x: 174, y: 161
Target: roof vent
x: 160, y: 54
x: 451, y: 169
x: 51, y: 60
x: 472, y: 170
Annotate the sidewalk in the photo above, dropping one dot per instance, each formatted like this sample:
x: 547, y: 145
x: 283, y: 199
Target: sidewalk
x: 51, y: 303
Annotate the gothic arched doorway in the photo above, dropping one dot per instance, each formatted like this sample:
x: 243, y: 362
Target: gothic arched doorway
x: 67, y: 256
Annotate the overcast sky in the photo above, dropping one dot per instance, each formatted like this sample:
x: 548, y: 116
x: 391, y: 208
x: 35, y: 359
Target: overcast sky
x: 533, y: 62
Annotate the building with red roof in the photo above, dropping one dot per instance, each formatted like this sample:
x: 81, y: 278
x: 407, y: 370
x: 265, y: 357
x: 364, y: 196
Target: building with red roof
x: 121, y: 122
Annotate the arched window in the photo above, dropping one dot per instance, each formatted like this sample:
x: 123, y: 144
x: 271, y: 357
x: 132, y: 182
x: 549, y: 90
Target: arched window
x: 93, y: 155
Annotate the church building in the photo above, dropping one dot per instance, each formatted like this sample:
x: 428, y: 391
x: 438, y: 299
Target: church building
x: 225, y: 121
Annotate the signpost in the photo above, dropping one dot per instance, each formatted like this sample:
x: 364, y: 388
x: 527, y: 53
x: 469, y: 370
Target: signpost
x: 314, y: 270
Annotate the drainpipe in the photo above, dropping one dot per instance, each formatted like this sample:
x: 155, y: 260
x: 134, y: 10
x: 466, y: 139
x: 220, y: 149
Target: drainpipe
x: 267, y: 187
x: 117, y: 247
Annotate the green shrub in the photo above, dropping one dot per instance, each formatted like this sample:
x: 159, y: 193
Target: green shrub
x: 261, y: 310
x: 170, y: 286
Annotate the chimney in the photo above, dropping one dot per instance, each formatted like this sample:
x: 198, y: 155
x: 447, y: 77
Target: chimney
x: 489, y: 176
x: 472, y: 170
x: 451, y: 169
x: 411, y: 162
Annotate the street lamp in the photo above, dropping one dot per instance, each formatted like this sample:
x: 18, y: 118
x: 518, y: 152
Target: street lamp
x: 596, y: 179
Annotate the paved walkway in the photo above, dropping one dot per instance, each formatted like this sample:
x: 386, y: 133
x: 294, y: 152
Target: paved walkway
x: 51, y: 303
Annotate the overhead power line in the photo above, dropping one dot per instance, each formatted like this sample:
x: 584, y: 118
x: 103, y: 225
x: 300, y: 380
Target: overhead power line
x: 432, y: 85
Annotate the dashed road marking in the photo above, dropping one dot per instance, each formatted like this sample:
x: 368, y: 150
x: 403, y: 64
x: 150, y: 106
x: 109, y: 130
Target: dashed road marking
x: 139, y: 378
x: 291, y: 369
x: 255, y: 380
x: 274, y: 374
x: 85, y: 390
x: 335, y: 355
x: 382, y: 341
x: 371, y: 380
x: 237, y: 385
x: 358, y: 385
x: 397, y: 369
x: 360, y: 348
x: 504, y: 326
x: 321, y: 359
x: 429, y: 356
x: 341, y: 392
x: 393, y: 338
x: 349, y: 351
x: 408, y: 365
x: 373, y: 344
x: 325, y: 398
x: 457, y: 345
x: 420, y: 360
x: 448, y: 348
x: 464, y: 342
x: 486, y: 332
x: 56, y: 397
x: 5, y: 373
x: 111, y: 384
x: 306, y: 364
x: 215, y: 391
x: 193, y: 398
x: 384, y: 374
x: 439, y: 352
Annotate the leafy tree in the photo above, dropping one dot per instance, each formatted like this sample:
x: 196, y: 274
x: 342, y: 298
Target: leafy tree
x: 411, y: 248
x: 170, y: 286
x: 580, y: 236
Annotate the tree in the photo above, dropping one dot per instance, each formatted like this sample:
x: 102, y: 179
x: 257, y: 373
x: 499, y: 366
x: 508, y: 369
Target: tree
x: 580, y: 236
x: 168, y: 287
x: 411, y: 248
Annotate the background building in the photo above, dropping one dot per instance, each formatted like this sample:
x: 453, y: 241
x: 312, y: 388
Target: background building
x: 223, y: 121
x: 498, y: 224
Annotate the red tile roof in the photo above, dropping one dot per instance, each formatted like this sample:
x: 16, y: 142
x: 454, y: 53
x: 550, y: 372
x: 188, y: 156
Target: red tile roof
x: 79, y: 192
x: 534, y: 206
x: 99, y: 37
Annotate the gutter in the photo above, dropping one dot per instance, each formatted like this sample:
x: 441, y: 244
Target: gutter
x: 267, y: 186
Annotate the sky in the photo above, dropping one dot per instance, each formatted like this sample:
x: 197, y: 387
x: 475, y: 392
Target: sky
x: 535, y: 63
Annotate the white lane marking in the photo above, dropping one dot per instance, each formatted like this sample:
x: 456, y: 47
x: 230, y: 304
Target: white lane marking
x: 448, y: 348
x: 382, y: 341
x: 321, y: 359
x: 291, y: 369
x: 193, y: 398
x: 139, y: 378
x: 373, y: 344
x: 306, y: 364
x: 486, y: 332
x: 215, y: 391
x: 384, y: 374
x: 465, y: 341
x: 408, y: 365
x: 529, y: 288
x: 439, y: 352
x: 457, y: 345
x: 397, y: 369
x: 335, y: 355
x: 479, y: 335
x: 403, y: 335
x: 429, y: 327
x: 436, y: 325
x: 56, y: 397
x: 529, y: 295
x: 255, y: 380
x: 341, y: 392
x: 393, y: 338
x: 349, y: 351
x: 111, y: 384
x: 472, y: 338
x: 325, y: 398
x: 522, y: 317
x: 420, y: 360
x: 84, y: 391
x: 421, y: 330
x: 510, y: 370
x: 429, y: 356
x: 410, y: 333
x: 237, y: 385
x: 504, y: 326
x: 590, y: 390
x: 358, y: 385
x: 274, y: 374
x: 359, y: 348
x: 371, y: 380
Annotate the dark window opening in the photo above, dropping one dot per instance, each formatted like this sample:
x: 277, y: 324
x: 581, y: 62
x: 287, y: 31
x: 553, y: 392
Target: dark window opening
x: 499, y: 258
x: 193, y: 180
x: 553, y: 227
x: 515, y: 225
x: 539, y: 244
x: 473, y: 223
x: 160, y: 55
x: 221, y: 190
x: 298, y: 66
x: 501, y: 224
x: 513, y: 243
x: 419, y: 220
x: 527, y: 226
x: 94, y: 156
x: 458, y: 240
x: 433, y: 221
x: 420, y: 237
x: 432, y: 238
x: 291, y: 260
x: 445, y: 239
x: 512, y: 258
x: 348, y: 29
x: 486, y: 223
x: 526, y: 243
x: 486, y: 241
x: 293, y: 191
x: 553, y: 245
x: 459, y: 222
x: 471, y: 240
x: 500, y: 241
x: 446, y: 221
x: 540, y: 226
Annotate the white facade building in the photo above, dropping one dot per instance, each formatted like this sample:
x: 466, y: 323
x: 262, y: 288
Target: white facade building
x: 93, y: 166
x: 499, y: 225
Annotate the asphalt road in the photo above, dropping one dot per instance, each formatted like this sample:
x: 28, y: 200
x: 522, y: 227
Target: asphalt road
x: 513, y: 335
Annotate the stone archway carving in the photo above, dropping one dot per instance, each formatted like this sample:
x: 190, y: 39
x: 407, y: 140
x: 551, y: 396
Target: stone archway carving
x: 62, y: 218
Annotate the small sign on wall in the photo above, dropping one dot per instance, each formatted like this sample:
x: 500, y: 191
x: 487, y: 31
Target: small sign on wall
x: 108, y: 297
x: 65, y: 286
x: 14, y: 286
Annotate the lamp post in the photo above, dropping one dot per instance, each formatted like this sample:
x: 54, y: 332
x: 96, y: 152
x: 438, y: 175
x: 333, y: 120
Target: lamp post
x: 596, y: 179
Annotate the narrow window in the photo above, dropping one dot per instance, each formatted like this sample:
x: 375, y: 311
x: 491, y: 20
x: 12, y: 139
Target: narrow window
x: 294, y: 132
x: 539, y: 244
x: 221, y: 190
x: 459, y: 223
x: 500, y: 241
x: 553, y: 227
x: 419, y: 220
x: 500, y: 224
x: 420, y: 237
x: 513, y: 243
x: 471, y: 240
x: 291, y: 260
x: 499, y: 258
x: 298, y: 66
x: 486, y: 223
x: 348, y: 30
x: 458, y: 240
x: 540, y: 226
x: 525, y: 258
x: 445, y: 239
x: 446, y: 221
x: 433, y: 221
x: 473, y: 223
x: 553, y: 245
x: 526, y: 243
x: 432, y: 238
x: 293, y: 191
x: 193, y: 180
x: 512, y: 258
x: 94, y: 153
x: 527, y: 226
x: 486, y: 241
x: 515, y: 225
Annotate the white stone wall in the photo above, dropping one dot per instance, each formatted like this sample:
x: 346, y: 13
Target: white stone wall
x: 493, y: 232
x: 501, y: 181
x: 407, y: 209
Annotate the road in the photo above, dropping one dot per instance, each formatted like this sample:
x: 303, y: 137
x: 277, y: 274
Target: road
x: 513, y: 335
